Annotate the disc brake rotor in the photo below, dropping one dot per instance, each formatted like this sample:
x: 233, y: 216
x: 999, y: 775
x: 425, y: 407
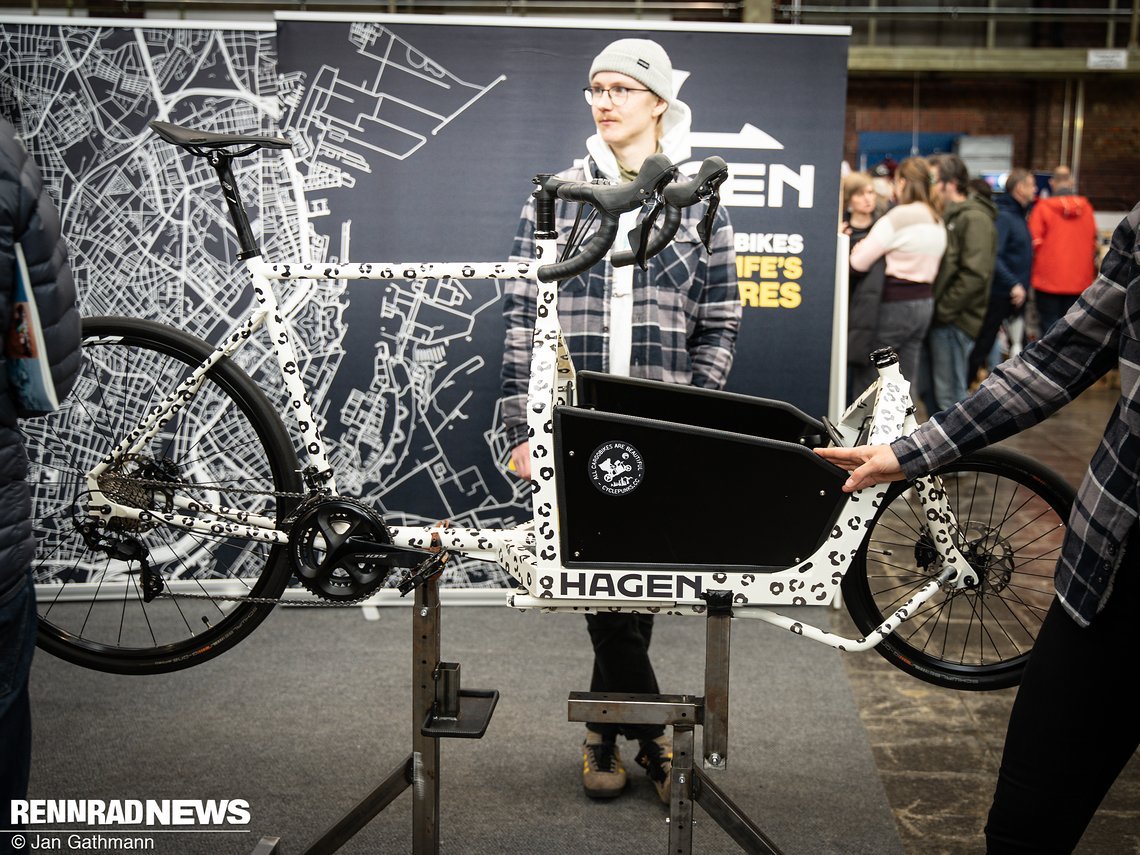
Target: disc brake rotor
x: 990, y: 555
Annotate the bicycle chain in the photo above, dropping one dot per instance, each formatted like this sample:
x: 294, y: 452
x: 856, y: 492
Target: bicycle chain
x: 153, y: 482
x: 267, y: 601
x: 273, y: 601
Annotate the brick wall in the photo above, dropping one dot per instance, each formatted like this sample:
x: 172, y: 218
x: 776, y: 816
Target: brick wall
x: 1031, y: 111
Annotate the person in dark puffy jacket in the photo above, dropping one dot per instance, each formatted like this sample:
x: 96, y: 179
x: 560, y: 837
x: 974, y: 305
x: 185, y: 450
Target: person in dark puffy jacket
x: 1013, y: 267
x: 27, y: 217
x: 865, y: 290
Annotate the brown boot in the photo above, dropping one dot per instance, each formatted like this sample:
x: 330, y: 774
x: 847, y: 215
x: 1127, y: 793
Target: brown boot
x: 603, y: 775
x: 656, y: 758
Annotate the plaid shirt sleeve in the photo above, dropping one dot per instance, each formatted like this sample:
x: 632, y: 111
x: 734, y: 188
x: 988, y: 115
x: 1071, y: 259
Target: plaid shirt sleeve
x: 1020, y: 393
x: 1052, y: 371
x: 716, y: 322
x: 519, y: 312
x: 1100, y: 331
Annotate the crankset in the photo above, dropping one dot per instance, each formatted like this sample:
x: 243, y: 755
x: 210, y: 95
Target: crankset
x: 342, y: 551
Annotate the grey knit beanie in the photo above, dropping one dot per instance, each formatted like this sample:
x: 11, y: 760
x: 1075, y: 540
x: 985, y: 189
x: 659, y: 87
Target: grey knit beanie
x: 643, y: 60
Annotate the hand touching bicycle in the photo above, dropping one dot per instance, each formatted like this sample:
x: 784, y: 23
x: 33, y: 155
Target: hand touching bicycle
x: 868, y: 465
x: 520, y: 460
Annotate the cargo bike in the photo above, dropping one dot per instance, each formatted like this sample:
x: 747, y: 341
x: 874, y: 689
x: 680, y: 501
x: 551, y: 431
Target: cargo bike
x: 173, y: 503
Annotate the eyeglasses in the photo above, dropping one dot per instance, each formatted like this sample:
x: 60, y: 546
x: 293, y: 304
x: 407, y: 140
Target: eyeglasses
x: 618, y: 94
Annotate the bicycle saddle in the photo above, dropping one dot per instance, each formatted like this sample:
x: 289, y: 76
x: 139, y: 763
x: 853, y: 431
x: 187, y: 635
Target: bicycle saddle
x: 201, y: 141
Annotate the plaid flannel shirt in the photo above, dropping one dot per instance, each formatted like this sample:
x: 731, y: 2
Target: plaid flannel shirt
x: 686, y: 311
x: 1102, y: 330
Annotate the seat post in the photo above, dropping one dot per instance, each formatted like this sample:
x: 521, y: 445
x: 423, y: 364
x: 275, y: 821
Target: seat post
x: 221, y: 161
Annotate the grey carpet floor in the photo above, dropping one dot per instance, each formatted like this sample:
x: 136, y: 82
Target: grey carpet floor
x: 311, y: 712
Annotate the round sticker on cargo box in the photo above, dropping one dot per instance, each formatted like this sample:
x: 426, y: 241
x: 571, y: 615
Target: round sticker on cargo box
x: 616, y: 468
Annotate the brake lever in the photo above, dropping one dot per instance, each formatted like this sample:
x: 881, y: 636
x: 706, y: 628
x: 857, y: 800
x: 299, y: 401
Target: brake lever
x: 713, y: 173
x: 705, y: 226
x: 639, y: 235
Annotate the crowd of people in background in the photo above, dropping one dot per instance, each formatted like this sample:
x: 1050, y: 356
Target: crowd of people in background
x: 910, y: 239
x: 955, y: 274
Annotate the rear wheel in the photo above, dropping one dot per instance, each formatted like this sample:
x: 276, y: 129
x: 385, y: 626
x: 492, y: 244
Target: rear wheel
x: 225, y: 447
x: 1011, y: 517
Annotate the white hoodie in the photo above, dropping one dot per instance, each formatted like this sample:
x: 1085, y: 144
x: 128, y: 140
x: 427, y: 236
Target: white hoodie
x: 674, y: 144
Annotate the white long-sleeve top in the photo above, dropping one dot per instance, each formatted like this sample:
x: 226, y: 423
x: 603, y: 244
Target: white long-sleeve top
x: 911, y: 239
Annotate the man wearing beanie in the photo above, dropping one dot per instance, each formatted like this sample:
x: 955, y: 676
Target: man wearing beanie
x: 677, y: 321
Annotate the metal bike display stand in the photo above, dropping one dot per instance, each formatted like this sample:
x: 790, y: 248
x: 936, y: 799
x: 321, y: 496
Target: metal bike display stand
x: 684, y: 713
x: 440, y: 710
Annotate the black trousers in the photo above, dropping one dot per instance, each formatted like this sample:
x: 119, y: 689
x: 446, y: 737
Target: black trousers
x: 17, y: 646
x: 621, y: 664
x: 1073, y: 726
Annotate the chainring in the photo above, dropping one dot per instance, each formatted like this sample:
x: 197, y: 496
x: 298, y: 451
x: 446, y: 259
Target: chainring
x: 321, y: 548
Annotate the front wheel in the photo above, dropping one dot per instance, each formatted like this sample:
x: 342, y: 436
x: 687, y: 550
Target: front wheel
x: 1011, y: 515
x: 225, y: 446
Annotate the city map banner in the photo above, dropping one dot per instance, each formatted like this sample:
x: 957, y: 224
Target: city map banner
x: 415, y: 139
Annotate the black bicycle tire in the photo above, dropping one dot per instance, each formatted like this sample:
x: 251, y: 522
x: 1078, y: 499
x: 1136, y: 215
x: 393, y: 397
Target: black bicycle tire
x: 242, y: 619
x: 1005, y: 671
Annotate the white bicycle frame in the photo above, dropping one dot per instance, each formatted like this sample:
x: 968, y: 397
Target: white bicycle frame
x: 531, y: 552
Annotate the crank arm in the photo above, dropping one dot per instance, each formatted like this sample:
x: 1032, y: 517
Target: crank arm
x: 361, y: 549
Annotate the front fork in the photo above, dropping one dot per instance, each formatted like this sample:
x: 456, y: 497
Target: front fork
x: 894, y: 416
x: 940, y: 523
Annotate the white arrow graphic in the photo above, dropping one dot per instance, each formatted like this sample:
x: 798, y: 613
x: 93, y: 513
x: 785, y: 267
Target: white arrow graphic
x: 749, y: 136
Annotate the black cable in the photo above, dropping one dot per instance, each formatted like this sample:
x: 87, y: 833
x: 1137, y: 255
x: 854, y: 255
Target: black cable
x: 577, y: 231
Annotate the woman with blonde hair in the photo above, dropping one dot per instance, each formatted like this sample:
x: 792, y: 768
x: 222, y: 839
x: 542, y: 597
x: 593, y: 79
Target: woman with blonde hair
x: 865, y: 289
x: 911, y: 239
x: 860, y: 203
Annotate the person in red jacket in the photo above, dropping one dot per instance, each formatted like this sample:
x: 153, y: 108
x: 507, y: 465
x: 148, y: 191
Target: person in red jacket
x: 1064, y: 248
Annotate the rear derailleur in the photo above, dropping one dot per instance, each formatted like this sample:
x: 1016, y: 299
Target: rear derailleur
x: 123, y: 547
